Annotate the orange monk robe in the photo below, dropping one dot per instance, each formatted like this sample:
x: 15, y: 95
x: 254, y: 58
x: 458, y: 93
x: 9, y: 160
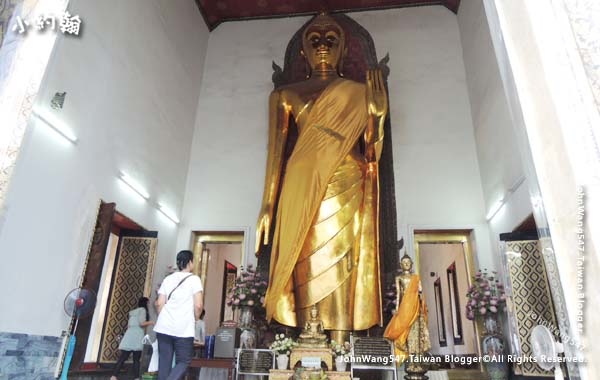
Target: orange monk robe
x: 407, y: 314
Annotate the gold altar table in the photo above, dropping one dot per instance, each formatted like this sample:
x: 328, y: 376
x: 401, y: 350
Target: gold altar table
x: 278, y: 374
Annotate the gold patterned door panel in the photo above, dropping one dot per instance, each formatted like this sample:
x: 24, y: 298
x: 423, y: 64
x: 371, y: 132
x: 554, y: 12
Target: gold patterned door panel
x: 529, y: 301
x: 132, y: 280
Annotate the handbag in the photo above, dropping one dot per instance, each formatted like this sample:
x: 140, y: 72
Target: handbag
x: 153, y: 365
x: 146, y: 340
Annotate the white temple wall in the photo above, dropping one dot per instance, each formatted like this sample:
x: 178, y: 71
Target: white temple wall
x: 132, y: 80
x: 436, y: 170
x: 498, y: 155
x: 540, y: 48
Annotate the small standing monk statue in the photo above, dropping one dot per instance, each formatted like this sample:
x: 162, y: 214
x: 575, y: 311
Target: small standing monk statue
x: 323, y: 212
x: 313, y: 334
x: 408, y: 326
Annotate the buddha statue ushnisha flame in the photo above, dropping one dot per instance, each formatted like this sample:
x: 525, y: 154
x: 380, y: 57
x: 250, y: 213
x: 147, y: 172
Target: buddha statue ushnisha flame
x: 325, y: 240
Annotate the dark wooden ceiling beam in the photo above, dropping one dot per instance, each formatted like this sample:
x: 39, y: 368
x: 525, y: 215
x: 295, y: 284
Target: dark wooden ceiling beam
x: 216, y: 12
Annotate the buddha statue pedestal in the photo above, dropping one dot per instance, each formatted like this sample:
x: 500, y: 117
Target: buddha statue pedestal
x: 302, y: 352
x: 277, y: 374
x: 323, y: 353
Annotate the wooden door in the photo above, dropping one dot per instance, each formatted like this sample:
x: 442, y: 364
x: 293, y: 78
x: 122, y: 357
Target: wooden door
x: 132, y: 279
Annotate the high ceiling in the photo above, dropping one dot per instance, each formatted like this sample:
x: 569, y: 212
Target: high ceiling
x: 218, y: 11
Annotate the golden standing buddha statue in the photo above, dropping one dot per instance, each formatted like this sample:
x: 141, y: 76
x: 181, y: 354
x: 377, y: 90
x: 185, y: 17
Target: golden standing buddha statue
x: 408, y: 326
x: 325, y: 244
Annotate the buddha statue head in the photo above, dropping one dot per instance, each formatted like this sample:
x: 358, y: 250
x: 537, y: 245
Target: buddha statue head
x: 314, y: 312
x: 323, y: 44
x: 406, y: 263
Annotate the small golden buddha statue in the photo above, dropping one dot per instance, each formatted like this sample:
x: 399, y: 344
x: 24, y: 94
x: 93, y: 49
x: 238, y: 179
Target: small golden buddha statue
x: 408, y: 326
x: 313, y: 334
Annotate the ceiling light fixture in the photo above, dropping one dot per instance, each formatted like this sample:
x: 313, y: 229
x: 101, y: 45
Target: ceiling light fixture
x: 168, y: 213
x: 59, y: 128
x: 135, y: 186
x: 494, y: 210
x: 498, y: 205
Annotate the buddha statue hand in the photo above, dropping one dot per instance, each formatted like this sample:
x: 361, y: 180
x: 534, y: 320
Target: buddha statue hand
x: 377, y: 102
x: 377, y: 108
x: 263, y: 226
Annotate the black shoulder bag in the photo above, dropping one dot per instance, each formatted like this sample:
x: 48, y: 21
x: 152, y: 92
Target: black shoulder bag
x: 180, y: 282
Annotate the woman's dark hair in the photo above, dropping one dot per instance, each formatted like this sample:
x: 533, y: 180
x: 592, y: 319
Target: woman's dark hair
x: 183, y: 258
x: 143, y: 302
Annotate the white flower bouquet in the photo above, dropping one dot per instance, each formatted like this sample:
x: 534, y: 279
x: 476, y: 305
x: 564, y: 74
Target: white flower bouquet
x: 282, y: 345
x: 340, y: 350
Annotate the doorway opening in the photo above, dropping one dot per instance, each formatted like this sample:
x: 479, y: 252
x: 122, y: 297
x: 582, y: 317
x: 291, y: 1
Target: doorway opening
x: 119, y: 268
x: 120, y: 222
x: 446, y: 266
x: 218, y: 258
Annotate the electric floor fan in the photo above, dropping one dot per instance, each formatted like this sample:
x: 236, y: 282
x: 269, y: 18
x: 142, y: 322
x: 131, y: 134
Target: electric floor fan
x: 79, y: 303
x: 546, y: 349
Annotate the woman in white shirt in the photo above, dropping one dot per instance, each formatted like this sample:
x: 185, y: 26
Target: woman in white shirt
x: 179, y: 307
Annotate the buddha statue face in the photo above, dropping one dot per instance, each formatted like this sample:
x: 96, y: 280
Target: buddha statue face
x: 406, y: 263
x: 323, y: 43
x: 314, y: 312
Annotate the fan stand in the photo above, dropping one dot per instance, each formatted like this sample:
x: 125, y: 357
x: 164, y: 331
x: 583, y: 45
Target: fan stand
x: 558, y: 374
x: 70, y: 350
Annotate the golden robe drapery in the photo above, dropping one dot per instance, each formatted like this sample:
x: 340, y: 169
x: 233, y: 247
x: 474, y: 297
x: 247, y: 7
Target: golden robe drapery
x: 325, y: 246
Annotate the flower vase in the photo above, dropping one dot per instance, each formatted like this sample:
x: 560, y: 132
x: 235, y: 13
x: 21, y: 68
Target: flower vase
x: 340, y: 364
x: 248, y: 338
x: 246, y: 317
x: 492, y: 346
x: 282, y: 361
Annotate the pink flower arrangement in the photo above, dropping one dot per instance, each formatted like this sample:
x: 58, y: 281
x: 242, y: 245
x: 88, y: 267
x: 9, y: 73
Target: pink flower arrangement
x: 249, y: 289
x: 486, y: 295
